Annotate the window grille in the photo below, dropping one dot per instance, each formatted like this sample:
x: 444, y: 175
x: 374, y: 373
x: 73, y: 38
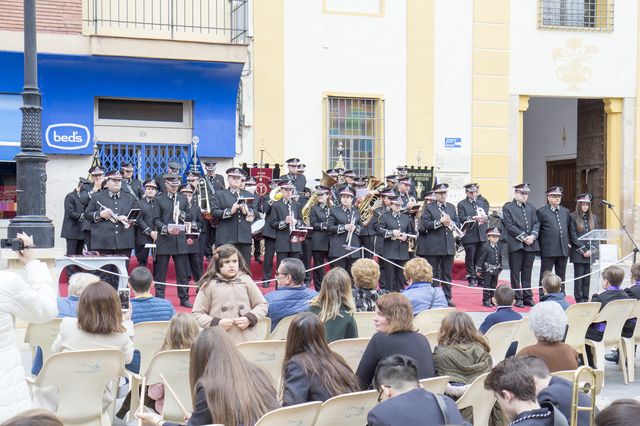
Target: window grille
x: 355, y: 126
x: 594, y: 15
x: 149, y: 160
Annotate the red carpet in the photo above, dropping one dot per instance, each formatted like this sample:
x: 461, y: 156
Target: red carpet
x: 466, y: 299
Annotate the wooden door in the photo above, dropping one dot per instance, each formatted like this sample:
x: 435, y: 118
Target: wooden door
x: 591, y: 153
x: 563, y: 173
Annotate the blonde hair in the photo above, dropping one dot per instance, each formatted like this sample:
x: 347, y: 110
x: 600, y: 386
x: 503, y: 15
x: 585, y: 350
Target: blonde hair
x: 79, y: 281
x: 183, y: 329
x: 366, y: 273
x: 335, y: 293
x: 397, y: 309
x: 418, y: 270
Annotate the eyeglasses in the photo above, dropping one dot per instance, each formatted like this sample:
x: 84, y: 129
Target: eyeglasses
x: 282, y: 274
x: 381, y: 392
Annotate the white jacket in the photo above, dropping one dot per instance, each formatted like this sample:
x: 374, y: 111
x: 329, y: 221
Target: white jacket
x: 32, y: 301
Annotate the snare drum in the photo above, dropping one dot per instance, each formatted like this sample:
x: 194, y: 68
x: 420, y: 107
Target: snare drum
x: 257, y: 227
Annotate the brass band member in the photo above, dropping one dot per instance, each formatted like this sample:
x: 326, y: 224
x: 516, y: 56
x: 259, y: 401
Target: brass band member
x: 404, y: 186
x: 319, y: 221
x: 129, y: 183
x: 402, y: 173
x: 73, y: 218
x: 396, y: 228
x: 386, y: 194
x: 438, y: 246
x: 195, y: 259
x: 268, y: 234
x: 287, y: 217
x: 149, y: 210
x: 344, y: 226
x: 474, y: 208
x: 299, y: 181
x: 234, y: 214
x: 93, y: 186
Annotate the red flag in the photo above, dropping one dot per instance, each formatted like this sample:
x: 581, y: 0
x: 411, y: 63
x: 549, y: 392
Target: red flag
x: 263, y: 176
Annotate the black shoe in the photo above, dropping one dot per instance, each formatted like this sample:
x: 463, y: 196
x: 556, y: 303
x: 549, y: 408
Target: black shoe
x: 257, y: 258
x: 519, y: 304
x: 487, y: 304
x: 186, y: 303
x: 451, y: 304
x: 613, y: 356
x: 529, y: 303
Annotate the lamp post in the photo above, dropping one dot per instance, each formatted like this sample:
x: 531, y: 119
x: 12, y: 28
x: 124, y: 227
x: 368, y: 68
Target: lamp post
x: 31, y: 187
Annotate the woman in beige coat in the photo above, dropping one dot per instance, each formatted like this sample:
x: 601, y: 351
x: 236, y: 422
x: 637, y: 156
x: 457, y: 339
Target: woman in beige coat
x: 228, y: 297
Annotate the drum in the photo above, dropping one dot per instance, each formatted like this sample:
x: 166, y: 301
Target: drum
x: 257, y: 227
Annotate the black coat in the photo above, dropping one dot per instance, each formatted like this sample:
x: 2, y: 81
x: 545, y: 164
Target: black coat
x: 555, y: 232
x: 378, y: 244
x: 392, y: 248
x: 319, y: 220
x: 490, y: 259
x: 478, y: 233
x: 609, y: 296
x: 134, y: 188
x: 299, y: 181
x: 268, y: 231
x: 338, y: 218
x: 578, y: 247
x: 299, y: 387
x: 149, y: 210
x: 559, y: 393
x: 633, y: 291
x: 106, y: 235
x: 73, y: 215
x: 234, y: 228
x: 416, y: 407
x: 197, y: 224
x: 171, y: 244
x: 438, y: 241
x: 280, y: 212
x: 520, y: 223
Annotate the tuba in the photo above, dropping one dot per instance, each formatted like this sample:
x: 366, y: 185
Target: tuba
x: 327, y: 181
x: 371, y: 201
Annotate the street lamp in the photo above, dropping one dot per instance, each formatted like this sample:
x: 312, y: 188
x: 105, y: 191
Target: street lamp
x: 31, y: 185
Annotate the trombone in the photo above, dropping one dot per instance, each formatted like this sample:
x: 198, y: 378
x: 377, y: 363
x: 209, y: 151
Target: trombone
x: 203, y: 197
x: 588, y: 387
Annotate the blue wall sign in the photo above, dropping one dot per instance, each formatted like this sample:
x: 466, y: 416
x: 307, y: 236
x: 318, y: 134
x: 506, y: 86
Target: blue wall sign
x: 67, y: 136
x: 453, y: 144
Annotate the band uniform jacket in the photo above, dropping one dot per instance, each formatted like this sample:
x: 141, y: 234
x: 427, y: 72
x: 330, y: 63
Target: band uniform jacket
x: 338, y: 218
x: 167, y: 244
x: 134, y: 187
x: 438, y: 240
x: 105, y: 234
x: 521, y: 220
x: 214, y: 184
x: 490, y: 259
x: 196, y: 226
x: 86, y: 192
x: 582, y: 246
x: 73, y: 216
x: 231, y: 228
x: 555, y: 232
x: 319, y: 220
x: 378, y: 243
x: 149, y: 210
x: 267, y: 208
x: 280, y: 211
x: 392, y: 248
x: 477, y: 233
x: 299, y: 181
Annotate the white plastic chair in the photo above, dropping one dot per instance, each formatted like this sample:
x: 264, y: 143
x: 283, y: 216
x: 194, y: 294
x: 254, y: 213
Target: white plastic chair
x: 525, y: 336
x: 432, y: 338
x: 351, y: 350
x: 266, y: 354
x: 435, y: 384
x: 431, y: 319
x: 629, y: 343
x: 42, y: 335
x: 480, y: 399
x: 148, y: 338
x: 281, y: 330
x: 298, y: 415
x: 263, y: 328
x: 579, y: 317
x: 500, y: 337
x: 349, y: 409
x: 364, y: 321
x: 81, y: 378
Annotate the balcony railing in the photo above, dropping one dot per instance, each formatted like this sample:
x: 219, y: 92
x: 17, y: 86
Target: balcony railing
x: 214, y: 21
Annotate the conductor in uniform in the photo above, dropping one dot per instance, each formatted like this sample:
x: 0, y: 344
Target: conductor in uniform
x: 438, y: 246
x: 476, y: 209
x: 521, y: 221
x: 555, y: 235
x: 344, y: 227
x: 396, y: 228
x: 234, y: 214
x: 172, y: 243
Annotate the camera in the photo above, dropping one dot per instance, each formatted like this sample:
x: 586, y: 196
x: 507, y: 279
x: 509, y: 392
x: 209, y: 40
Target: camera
x: 14, y: 244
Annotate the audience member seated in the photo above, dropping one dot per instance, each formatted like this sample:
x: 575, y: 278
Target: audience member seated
x: 226, y: 388
x: 228, y: 296
x: 515, y: 390
x: 420, y: 289
x: 556, y: 390
x: 67, y: 307
x: 548, y: 322
x: 100, y: 325
x: 622, y: 412
x: 552, y: 289
x: 366, y: 274
x: 311, y: 371
x: 335, y: 306
x: 34, y: 417
x: 503, y: 297
x: 395, y: 335
x: 633, y: 291
x: 612, y: 278
x: 404, y: 402
x: 462, y: 353
x: 291, y: 295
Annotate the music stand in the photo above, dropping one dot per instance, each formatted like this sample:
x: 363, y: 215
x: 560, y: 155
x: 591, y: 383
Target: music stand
x: 607, y: 254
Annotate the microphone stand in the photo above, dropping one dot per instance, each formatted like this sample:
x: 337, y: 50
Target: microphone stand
x: 636, y: 250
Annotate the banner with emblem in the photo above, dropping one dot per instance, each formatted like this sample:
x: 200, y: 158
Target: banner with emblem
x: 422, y: 178
x: 194, y: 164
x: 262, y: 176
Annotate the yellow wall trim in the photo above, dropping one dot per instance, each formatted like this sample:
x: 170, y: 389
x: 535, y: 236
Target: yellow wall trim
x: 613, y: 178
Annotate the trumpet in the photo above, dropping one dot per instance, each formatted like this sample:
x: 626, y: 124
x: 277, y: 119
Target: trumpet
x: 203, y: 196
x: 350, y: 232
x: 455, y: 230
x: 114, y: 218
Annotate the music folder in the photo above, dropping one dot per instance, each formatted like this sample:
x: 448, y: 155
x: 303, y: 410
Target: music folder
x: 467, y: 225
x: 245, y: 200
x: 179, y: 226
x: 133, y: 214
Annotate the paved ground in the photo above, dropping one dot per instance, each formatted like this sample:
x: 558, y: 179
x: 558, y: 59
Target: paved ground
x: 614, y: 384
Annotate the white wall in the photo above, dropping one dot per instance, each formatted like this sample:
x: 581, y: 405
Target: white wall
x: 346, y: 54
x: 542, y: 58
x: 543, y: 123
